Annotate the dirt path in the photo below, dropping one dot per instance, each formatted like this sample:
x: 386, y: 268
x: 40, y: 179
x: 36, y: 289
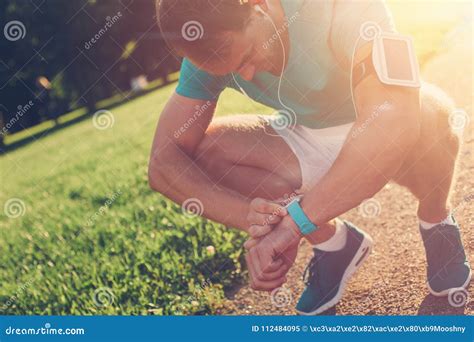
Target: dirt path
x: 393, y: 280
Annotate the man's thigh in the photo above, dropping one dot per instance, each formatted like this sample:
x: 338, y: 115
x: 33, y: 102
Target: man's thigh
x: 430, y: 165
x: 247, y: 142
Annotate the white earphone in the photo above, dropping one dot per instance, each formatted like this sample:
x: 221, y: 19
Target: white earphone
x: 259, y: 9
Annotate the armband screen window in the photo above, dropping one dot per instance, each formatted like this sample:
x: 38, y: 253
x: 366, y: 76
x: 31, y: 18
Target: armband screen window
x: 395, y: 61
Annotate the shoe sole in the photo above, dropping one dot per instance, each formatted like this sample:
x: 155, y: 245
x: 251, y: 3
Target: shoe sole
x: 361, y: 255
x: 445, y: 293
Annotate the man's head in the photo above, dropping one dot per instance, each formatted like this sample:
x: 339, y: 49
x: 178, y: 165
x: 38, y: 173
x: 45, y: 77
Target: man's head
x: 223, y: 36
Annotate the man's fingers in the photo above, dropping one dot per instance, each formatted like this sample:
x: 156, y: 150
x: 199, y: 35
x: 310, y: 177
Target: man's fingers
x: 268, y: 285
x: 264, y: 258
x: 278, y: 274
x: 250, y: 243
x: 256, y: 231
x: 276, y: 270
x: 262, y: 285
x: 255, y: 259
x: 275, y: 265
x: 259, y: 284
x: 250, y: 269
x: 262, y: 219
x: 268, y: 207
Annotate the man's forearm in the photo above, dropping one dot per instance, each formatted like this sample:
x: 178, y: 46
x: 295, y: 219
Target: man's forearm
x: 368, y: 160
x: 177, y: 177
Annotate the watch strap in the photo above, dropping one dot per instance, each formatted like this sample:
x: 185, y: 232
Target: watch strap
x: 299, y: 217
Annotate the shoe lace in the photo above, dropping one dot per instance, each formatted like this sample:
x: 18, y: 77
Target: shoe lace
x: 452, y: 243
x: 311, y: 271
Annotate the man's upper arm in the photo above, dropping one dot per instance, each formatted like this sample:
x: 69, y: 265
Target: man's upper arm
x: 189, y: 110
x: 374, y: 98
x: 390, y: 108
x: 371, y: 96
x: 183, y: 122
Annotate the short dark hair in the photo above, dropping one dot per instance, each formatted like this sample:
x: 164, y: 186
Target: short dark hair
x: 198, y: 28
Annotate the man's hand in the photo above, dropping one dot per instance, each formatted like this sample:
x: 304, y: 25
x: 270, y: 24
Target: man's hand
x: 269, y: 258
x: 263, y: 216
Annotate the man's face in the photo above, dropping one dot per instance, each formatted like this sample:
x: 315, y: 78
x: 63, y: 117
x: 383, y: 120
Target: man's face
x: 253, y: 50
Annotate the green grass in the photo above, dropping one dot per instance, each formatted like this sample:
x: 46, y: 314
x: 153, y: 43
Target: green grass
x: 139, y: 246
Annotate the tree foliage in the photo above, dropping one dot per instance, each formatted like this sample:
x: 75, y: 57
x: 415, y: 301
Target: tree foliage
x: 88, y: 50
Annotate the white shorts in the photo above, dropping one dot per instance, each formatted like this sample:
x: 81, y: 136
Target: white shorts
x: 315, y: 149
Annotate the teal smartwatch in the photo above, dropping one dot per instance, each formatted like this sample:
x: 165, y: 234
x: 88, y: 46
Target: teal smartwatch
x: 302, y: 221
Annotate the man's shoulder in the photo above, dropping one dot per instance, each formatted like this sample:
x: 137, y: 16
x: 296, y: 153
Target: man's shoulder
x: 199, y: 84
x: 314, y: 11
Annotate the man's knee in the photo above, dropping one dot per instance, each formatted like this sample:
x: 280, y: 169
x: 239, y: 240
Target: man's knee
x: 435, y: 153
x: 437, y: 110
x: 436, y: 130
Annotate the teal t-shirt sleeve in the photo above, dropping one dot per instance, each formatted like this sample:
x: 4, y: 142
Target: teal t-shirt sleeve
x: 347, y: 19
x: 198, y: 84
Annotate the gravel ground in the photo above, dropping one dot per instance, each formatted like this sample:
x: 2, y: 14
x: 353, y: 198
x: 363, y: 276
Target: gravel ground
x: 393, y: 280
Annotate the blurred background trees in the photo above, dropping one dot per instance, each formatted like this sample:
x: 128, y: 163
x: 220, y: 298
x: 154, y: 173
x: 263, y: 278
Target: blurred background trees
x: 71, y: 54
